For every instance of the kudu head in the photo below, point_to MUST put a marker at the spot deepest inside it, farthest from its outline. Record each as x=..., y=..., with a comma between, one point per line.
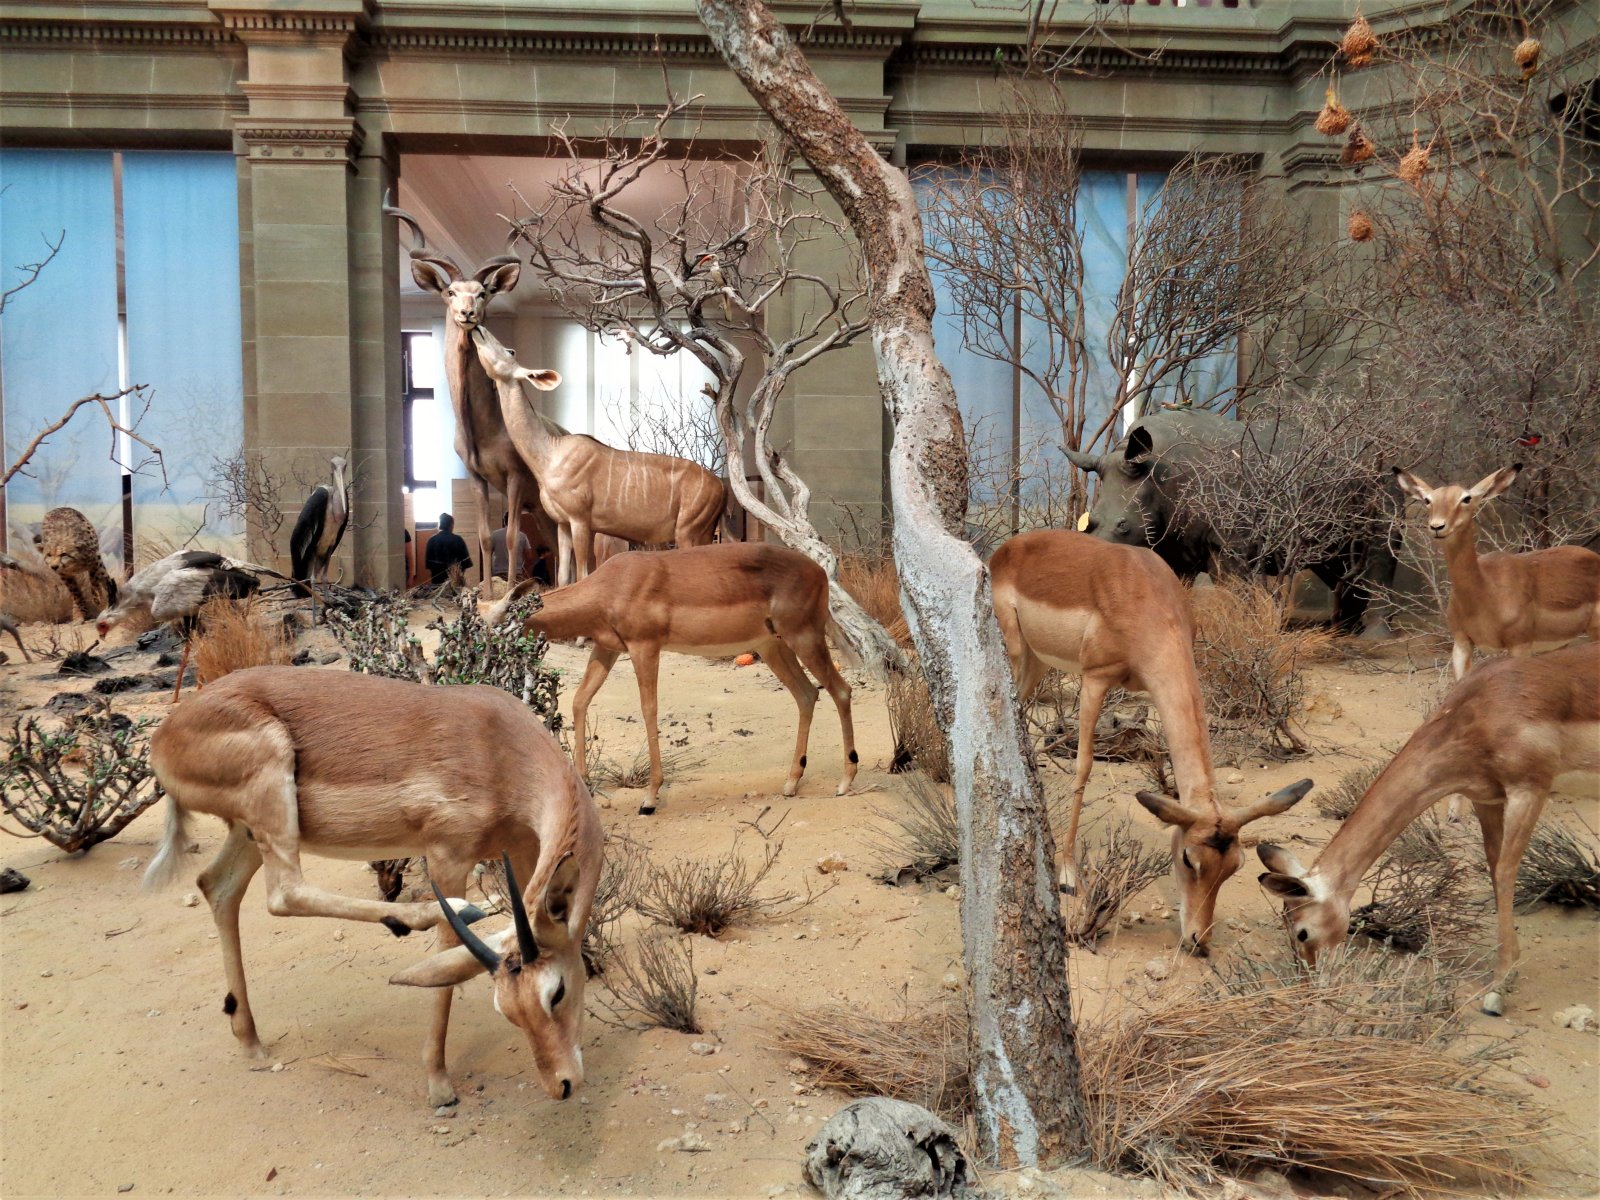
x=1206, y=852
x=466, y=300
x=1318, y=921
x=1451, y=507
x=538, y=976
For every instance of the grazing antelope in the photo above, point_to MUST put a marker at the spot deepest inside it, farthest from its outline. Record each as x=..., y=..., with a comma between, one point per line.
x=1501, y=737
x=713, y=601
x=1117, y=616
x=1514, y=602
x=360, y=767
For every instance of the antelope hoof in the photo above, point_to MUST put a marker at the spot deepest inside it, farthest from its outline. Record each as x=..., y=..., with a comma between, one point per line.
x=442, y=1095
x=844, y=787
x=1493, y=1004
x=1067, y=875
x=646, y=809
x=396, y=926
x=791, y=787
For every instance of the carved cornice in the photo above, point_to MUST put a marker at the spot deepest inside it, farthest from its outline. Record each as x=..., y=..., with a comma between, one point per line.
x=301, y=143
x=445, y=40
x=101, y=34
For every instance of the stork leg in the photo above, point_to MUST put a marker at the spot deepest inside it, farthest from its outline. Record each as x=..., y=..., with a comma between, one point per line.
x=183, y=665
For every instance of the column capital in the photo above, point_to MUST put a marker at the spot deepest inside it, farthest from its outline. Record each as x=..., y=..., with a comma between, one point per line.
x=294, y=22
x=299, y=142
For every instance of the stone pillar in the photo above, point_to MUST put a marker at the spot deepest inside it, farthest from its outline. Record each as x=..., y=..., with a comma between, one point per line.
x=322, y=354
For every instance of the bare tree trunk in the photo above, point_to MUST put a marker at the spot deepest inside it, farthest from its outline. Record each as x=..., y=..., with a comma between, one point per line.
x=1024, y=1043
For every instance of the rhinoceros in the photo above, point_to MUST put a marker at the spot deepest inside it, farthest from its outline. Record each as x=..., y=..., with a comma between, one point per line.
x=1148, y=478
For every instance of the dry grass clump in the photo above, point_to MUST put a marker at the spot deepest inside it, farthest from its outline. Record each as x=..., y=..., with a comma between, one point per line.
x=34, y=596
x=232, y=636
x=654, y=982
x=1558, y=869
x=624, y=874
x=875, y=584
x=1250, y=665
x=1418, y=902
x=1193, y=1085
x=607, y=774
x=1339, y=801
x=921, y=837
x=1110, y=873
x=708, y=896
x=919, y=1055
x=919, y=743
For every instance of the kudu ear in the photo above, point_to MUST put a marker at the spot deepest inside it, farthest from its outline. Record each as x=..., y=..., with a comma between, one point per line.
x=500, y=274
x=1411, y=485
x=1166, y=809
x=1082, y=460
x=555, y=906
x=430, y=276
x=1280, y=801
x=1491, y=486
x=1279, y=861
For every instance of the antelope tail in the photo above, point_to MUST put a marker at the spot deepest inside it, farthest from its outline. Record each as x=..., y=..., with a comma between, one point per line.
x=168, y=862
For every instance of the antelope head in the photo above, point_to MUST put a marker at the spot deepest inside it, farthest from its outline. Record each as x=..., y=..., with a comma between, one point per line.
x=1317, y=920
x=1451, y=507
x=466, y=300
x=1206, y=852
x=538, y=981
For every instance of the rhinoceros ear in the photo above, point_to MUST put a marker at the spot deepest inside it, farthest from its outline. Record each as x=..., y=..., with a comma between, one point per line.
x=1138, y=455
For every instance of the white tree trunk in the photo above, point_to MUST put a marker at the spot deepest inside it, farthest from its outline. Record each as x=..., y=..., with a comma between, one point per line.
x=1024, y=1049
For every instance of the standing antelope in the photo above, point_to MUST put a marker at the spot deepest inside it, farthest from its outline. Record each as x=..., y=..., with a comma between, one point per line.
x=482, y=443
x=1501, y=737
x=1118, y=616
x=712, y=601
x=588, y=487
x=1514, y=602
x=360, y=767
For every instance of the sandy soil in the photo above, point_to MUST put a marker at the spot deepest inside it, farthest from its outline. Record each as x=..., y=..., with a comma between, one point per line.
x=119, y=1071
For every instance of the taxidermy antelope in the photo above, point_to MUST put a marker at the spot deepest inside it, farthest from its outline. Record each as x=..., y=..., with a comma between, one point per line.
x=482, y=443
x=361, y=767
x=588, y=487
x=1117, y=616
x=712, y=601
x=1514, y=602
x=1501, y=737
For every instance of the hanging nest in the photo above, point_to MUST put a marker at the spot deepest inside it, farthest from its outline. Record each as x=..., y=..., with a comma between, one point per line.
x=1334, y=118
x=1359, y=226
x=1415, y=163
x=1358, y=148
x=1359, y=43
x=1526, y=55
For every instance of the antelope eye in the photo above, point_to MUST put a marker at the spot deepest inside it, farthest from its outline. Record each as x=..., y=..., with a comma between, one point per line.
x=1466, y=499
x=1302, y=935
x=1186, y=861
x=561, y=991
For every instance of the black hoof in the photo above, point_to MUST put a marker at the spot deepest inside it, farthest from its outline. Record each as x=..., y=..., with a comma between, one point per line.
x=395, y=926
x=646, y=809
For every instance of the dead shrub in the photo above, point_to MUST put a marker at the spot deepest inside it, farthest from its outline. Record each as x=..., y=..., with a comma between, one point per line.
x=1111, y=871
x=1250, y=665
x=624, y=874
x=1419, y=902
x=654, y=982
x=34, y=596
x=919, y=742
x=875, y=585
x=1558, y=869
x=233, y=636
x=78, y=784
x=919, y=1055
x=921, y=837
x=710, y=895
x=1339, y=801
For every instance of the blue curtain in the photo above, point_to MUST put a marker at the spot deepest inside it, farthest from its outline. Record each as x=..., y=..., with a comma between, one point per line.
x=58, y=337
x=181, y=232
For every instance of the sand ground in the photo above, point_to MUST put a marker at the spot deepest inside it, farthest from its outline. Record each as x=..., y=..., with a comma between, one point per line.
x=119, y=1072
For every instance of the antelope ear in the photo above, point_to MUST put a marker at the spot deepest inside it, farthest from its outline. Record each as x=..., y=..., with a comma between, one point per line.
x=1286, y=886
x=1491, y=486
x=445, y=969
x=543, y=380
x=1280, y=861
x=1280, y=801
x=1411, y=485
x=550, y=927
x=1166, y=809
x=430, y=278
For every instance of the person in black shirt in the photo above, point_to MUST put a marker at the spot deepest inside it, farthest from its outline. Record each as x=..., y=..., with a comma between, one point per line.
x=445, y=551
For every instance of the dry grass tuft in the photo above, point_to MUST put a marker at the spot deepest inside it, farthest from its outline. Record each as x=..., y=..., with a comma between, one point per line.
x=1250, y=664
x=1110, y=874
x=920, y=1055
x=34, y=596
x=233, y=636
x=708, y=896
x=923, y=836
x=654, y=982
x=624, y=874
x=919, y=743
x=606, y=774
x=1558, y=869
x=1339, y=801
x=875, y=584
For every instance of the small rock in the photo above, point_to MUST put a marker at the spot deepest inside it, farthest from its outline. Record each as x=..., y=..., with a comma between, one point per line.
x=191, y=899
x=1268, y=1178
x=131, y=863
x=1579, y=1017
x=12, y=880
x=441, y=1129
x=84, y=663
x=1133, y=918
x=688, y=1142
x=1538, y=1081
x=338, y=935
x=124, y=1187
x=1158, y=969
x=154, y=1012
x=796, y=1066
x=329, y=658
x=953, y=891
x=702, y=1048
x=302, y=658
x=830, y=863
x=444, y=1110
x=276, y=1067
x=951, y=982
x=46, y=974
x=1235, y=777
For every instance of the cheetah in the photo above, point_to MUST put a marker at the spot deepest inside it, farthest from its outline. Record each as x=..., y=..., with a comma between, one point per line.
x=71, y=549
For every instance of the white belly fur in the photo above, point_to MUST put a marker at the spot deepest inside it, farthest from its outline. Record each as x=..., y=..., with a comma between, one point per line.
x=726, y=650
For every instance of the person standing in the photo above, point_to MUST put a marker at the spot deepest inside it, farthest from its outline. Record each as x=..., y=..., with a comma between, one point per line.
x=446, y=556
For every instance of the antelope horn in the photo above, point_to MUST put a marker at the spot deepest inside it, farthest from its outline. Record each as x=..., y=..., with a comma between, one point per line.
x=480, y=949
x=519, y=914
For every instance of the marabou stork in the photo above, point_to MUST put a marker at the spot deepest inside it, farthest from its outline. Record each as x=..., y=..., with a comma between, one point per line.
x=173, y=589
x=318, y=531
